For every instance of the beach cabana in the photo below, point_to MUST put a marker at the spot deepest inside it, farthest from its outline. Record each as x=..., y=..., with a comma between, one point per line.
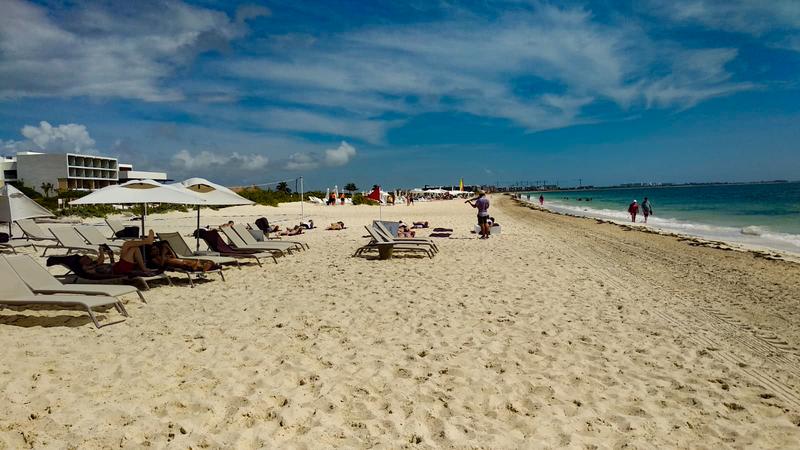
x=213, y=194
x=14, y=205
x=140, y=192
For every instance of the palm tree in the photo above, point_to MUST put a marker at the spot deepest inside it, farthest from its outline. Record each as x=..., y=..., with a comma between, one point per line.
x=46, y=188
x=350, y=187
x=283, y=187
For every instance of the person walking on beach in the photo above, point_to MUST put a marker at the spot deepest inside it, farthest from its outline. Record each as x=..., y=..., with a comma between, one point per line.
x=482, y=204
x=541, y=200
x=647, y=209
x=633, y=209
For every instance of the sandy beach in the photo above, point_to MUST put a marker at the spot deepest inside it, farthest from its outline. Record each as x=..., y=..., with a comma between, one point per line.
x=560, y=332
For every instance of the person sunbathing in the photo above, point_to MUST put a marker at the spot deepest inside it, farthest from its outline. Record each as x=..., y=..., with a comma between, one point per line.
x=420, y=224
x=295, y=230
x=130, y=255
x=227, y=224
x=404, y=231
x=160, y=254
x=336, y=226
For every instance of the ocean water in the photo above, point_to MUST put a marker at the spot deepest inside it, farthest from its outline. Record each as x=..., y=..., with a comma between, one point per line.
x=759, y=215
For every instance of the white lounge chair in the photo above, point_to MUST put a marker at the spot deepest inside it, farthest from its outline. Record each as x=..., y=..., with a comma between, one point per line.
x=95, y=238
x=181, y=248
x=379, y=242
x=276, y=248
x=41, y=281
x=14, y=245
x=14, y=292
x=70, y=240
x=384, y=231
x=33, y=232
x=249, y=240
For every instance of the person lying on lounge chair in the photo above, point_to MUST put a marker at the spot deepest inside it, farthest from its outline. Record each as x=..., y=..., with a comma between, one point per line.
x=308, y=225
x=336, y=226
x=160, y=254
x=98, y=268
x=295, y=230
x=263, y=225
x=130, y=255
x=404, y=231
x=226, y=224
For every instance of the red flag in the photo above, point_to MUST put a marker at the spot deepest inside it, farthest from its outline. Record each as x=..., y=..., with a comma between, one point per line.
x=375, y=194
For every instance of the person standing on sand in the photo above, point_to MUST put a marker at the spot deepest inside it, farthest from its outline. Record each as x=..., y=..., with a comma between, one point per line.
x=541, y=200
x=482, y=204
x=647, y=209
x=633, y=209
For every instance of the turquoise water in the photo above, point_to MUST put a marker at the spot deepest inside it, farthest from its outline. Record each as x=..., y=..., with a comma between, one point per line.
x=765, y=215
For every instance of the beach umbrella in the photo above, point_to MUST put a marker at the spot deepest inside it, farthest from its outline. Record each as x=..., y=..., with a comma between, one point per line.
x=213, y=194
x=140, y=192
x=14, y=205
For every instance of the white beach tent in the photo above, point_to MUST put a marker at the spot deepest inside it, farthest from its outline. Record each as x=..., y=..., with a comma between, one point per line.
x=14, y=205
x=213, y=194
x=140, y=192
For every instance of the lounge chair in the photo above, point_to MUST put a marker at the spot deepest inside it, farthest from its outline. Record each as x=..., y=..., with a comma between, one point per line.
x=191, y=275
x=33, y=232
x=14, y=245
x=384, y=231
x=379, y=242
x=14, y=292
x=95, y=238
x=41, y=281
x=70, y=240
x=76, y=273
x=217, y=244
x=181, y=248
x=276, y=248
x=257, y=228
x=118, y=227
x=250, y=241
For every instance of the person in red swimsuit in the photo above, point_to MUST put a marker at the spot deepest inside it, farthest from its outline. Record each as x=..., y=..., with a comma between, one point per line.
x=130, y=255
x=633, y=209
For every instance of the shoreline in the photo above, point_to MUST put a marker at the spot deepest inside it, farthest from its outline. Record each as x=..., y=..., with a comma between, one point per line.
x=722, y=244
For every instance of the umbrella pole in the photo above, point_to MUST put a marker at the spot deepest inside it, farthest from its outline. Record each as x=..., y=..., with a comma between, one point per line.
x=10, y=235
x=196, y=233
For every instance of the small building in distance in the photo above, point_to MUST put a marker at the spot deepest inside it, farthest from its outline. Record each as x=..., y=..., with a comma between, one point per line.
x=69, y=171
x=126, y=173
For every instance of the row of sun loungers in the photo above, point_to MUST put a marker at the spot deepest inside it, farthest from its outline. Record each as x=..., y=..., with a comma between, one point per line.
x=25, y=282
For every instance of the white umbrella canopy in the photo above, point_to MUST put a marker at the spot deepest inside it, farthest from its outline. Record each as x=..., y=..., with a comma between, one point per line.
x=214, y=195
x=140, y=192
x=14, y=205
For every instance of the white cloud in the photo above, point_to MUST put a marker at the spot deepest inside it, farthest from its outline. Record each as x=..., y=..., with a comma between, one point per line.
x=744, y=16
x=302, y=161
x=332, y=157
x=341, y=155
x=184, y=160
x=312, y=122
x=47, y=138
x=123, y=50
x=537, y=69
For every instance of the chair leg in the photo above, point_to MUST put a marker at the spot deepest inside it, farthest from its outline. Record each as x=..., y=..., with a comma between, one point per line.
x=222, y=274
x=141, y=296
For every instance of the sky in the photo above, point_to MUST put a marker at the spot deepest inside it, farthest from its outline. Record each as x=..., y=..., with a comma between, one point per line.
x=409, y=93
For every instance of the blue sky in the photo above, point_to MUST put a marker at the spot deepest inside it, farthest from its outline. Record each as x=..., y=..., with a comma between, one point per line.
x=410, y=93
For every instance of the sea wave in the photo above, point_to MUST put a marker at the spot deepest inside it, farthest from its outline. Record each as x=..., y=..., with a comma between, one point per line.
x=751, y=236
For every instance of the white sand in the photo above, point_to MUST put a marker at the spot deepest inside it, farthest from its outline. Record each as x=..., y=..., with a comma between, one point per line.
x=558, y=333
